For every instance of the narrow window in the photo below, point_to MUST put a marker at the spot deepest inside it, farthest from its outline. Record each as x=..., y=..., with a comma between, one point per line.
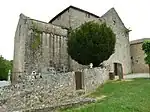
x=114, y=22
x=87, y=15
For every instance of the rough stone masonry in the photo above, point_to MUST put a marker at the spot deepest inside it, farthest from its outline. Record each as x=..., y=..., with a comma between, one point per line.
x=49, y=90
x=40, y=45
x=73, y=17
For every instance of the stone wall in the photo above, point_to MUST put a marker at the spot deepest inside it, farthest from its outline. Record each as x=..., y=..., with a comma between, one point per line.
x=42, y=90
x=50, y=89
x=19, y=46
x=94, y=77
x=137, y=56
x=122, y=49
x=72, y=18
x=39, y=45
x=77, y=18
x=52, y=49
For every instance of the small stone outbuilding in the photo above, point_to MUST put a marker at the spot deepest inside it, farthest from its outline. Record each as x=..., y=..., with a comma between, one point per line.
x=137, y=56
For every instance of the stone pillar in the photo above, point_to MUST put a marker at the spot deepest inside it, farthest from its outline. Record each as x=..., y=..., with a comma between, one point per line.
x=40, y=57
x=54, y=50
x=50, y=49
x=60, y=39
x=47, y=40
x=47, y=49
x=44, y=49
x=62, y=51
x=65, y=52
x=57, y=51
x=43, y=39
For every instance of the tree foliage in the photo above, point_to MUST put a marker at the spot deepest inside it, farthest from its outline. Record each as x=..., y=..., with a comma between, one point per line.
x=5, y=66
x=146, y=48
x=91, y=43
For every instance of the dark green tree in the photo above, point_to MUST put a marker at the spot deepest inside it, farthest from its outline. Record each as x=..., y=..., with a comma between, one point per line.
x=146, y=48
x=91, y=43
x=5, y=66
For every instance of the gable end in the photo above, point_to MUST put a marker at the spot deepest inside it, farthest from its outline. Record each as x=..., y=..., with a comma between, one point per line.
x=72, y=8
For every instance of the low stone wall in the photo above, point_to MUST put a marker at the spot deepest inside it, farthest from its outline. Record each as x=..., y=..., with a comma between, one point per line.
x=64, y=105
x=94, y=77
x=48, y=89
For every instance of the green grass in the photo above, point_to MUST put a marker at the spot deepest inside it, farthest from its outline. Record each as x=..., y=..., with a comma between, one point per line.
x=121, y=96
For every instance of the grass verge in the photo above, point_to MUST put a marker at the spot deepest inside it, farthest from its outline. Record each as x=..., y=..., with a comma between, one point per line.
x=121, y=96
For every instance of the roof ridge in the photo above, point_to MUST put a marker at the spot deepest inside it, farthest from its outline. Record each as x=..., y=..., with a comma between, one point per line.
x=71, y=6
x=138, y=40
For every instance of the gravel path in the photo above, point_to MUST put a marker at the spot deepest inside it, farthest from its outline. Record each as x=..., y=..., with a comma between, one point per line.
x=137, y=75
x=4, y=83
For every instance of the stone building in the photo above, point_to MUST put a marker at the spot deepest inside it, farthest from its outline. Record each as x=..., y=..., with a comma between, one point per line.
x=42, y=47
x=39, y=46
x=137, y=56
x=73, y=17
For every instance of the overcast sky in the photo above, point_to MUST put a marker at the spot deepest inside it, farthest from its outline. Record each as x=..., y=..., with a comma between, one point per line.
x=134, y=13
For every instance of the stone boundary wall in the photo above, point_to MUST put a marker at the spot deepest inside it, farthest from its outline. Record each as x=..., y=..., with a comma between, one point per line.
x=94, y=77
x=48, y=89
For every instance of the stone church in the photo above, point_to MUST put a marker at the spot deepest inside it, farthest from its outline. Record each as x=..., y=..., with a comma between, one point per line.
x=41, y=46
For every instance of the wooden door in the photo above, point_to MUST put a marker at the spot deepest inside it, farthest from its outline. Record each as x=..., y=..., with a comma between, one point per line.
x=118, y=70
x=115, y=69
x=78, y=79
